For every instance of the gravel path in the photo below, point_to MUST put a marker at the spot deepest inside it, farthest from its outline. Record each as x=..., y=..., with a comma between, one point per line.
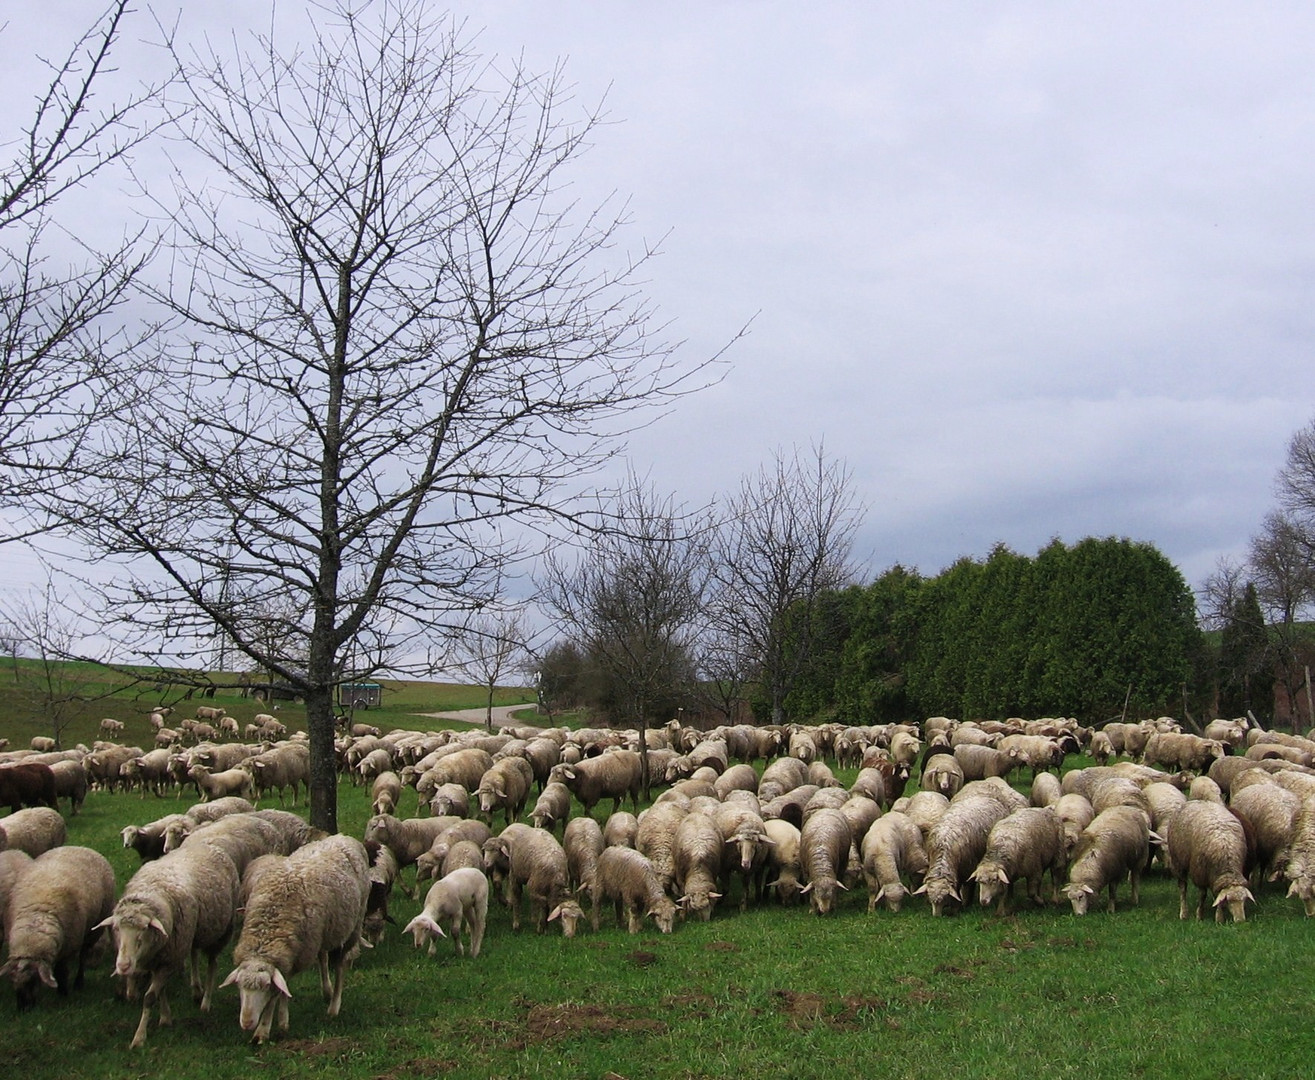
x=502, y=714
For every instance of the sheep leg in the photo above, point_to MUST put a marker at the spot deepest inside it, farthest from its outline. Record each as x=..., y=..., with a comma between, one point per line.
x=339, y=972
x=326, y=987
x=212, y=969
x=1200, y=904
x=476, y=924
x=1135, y=877
x=1114, y=888
x=1182, y=898
x=456, y=934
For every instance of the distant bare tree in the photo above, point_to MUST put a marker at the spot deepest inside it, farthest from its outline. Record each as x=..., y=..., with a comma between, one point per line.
x=787, y=536
x=488, y=649
x=395, y=335
x=61, y=362
x=633, y=600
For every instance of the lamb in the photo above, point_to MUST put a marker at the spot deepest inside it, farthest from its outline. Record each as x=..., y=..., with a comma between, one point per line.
x=35, y=830
x=956, y=844
x=1025, y=844
x=1207, y=844
x=1115, y=846
x=583, y=842
x=386, y=793
x=612, y=775
x=373, y=765
x=627, y=878
x=892, y=851
x=217, y=785
x=55, y=907
x=459, y=899
x=309, y=909
x=553, y=807
x=824, y=844
x=696, y=859
x=171, y=910
x=506, y=787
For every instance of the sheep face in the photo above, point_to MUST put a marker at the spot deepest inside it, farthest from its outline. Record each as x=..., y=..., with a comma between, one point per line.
x=991, y=886
x=27, y=976
x=137, y=939
x=822, y=895
x=1233, y=900
x=263, y=992
x=423, y=929
x=1079, y=896
x=893, y=894
x=570, y=913
x=938, y=891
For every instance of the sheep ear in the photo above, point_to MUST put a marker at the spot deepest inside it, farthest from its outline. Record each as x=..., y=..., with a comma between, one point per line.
x=7, y=969
x=106, y=924
x=842, y=885
x=919, y=890
x=718, y=896
x=1088, y=890
x=880, y=893
x=281, y=984
x=156, y=924
x=955, y=893
x=232, y=978
x=807, y=888
x=1003, y=877
x=556, y=913
x=47, y=976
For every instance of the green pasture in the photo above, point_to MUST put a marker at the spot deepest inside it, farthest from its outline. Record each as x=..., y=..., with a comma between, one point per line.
x=771, y=993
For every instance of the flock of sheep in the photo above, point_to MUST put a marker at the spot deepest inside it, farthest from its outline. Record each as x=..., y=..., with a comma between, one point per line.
x=1224, y=812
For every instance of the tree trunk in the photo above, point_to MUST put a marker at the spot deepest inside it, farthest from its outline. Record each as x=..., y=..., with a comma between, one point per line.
x=323, y=761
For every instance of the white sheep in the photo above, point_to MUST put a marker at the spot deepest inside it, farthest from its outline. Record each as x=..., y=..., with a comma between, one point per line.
x=171, y=910
x=34, y=830
x=12, y=864
x=553, y=807
x=1272, y=812
x=535, y=862
x=214, y=785
x=696, y=858
x=1207, y=845
x=892, y=851
x=458, y=899
x=956, y=844
x=386, y=793
x=55, y=907
x=583, y=842
x=824, y=846
x=1115, y=846
x=627, y=878
x=1025, y=844
x=310, y=909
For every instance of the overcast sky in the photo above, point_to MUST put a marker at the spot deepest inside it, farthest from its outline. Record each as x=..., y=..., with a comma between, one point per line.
x=1031, y=270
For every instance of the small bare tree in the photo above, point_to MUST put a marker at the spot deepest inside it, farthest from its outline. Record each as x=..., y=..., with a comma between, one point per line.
x=787, y=536
x=488, y=649
x=633, y=600
x=395, y=338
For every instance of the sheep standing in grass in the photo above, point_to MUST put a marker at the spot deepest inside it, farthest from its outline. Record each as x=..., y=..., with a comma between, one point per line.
x=1207, y=845
x=956, y=844
x=824, y=844
x=536, y=863
x=614, y=775
x=696, y=858
x=172, y=910
x=892, y=851
x=55, y=908
x=12, y=864
x=783, y=860
x=308, y=909
x=506, y=787
x=386, y=793
x=1114, y=847
x=1272, y=813
x=627, y=878
x=35, y=830
x=553, y=807
x=459, y=899
x=583, y=842
x=1025, y=844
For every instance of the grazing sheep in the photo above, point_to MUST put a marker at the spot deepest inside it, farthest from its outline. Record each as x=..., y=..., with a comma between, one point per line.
x=449, y=800
x=981, y=762
x=535, y=861
x=553, y=806
x=824, y=845
x=1075, y=814
x=696, y=861
x=1271, y=811
x=459, y=899
x=1102, y=747
x=1206, y=790
x=942, y=772
x=171, y=910
x=431, y=863
x=1207, y=844
x=656, y=838
x=583, y=841
x=1046, y=790
x=892, y=852
x=739, y=777
x=43, y=744
x=308, y=909
x=464, y=853
x=409, y=838
x=286, y=766
x=148, y=840
x=1115, y=846
x=627, y=878
x=621, y=829
x=35, y=830
x=782, y=775
x=12, y=863
x=924, y=809
x=70, y=783
x=386, y=793
x=1025, y=844
x=956, y=844
x=1181, y=751
x=55, y=908
x=783, y=864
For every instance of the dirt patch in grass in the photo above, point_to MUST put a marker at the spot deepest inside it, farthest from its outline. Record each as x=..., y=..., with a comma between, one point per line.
x=804, y=1011
x=318, y=1048
x=421, y=1067
x=722, y=946
x=642, y=959
x=560, y=1021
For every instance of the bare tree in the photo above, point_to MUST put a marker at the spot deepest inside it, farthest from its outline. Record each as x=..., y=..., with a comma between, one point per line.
x=788, y=535
x=633, y=600
x=488, y=649
x=58, y=352
x=395, y=339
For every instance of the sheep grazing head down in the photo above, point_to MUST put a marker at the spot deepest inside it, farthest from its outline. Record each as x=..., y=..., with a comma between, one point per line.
x=937, y=892
x=263, y=992
x=1304, y=890
x=1079, y=896
x=570, y=913
x=1234, y=900
x=27, y=975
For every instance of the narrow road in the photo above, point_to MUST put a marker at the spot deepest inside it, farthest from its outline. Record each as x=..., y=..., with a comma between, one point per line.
x=502, y=714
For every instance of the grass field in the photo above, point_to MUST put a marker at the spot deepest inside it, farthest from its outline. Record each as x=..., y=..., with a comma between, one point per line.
x=774, y=992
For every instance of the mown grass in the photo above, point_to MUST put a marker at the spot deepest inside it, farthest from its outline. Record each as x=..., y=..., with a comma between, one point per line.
x=773, y=992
